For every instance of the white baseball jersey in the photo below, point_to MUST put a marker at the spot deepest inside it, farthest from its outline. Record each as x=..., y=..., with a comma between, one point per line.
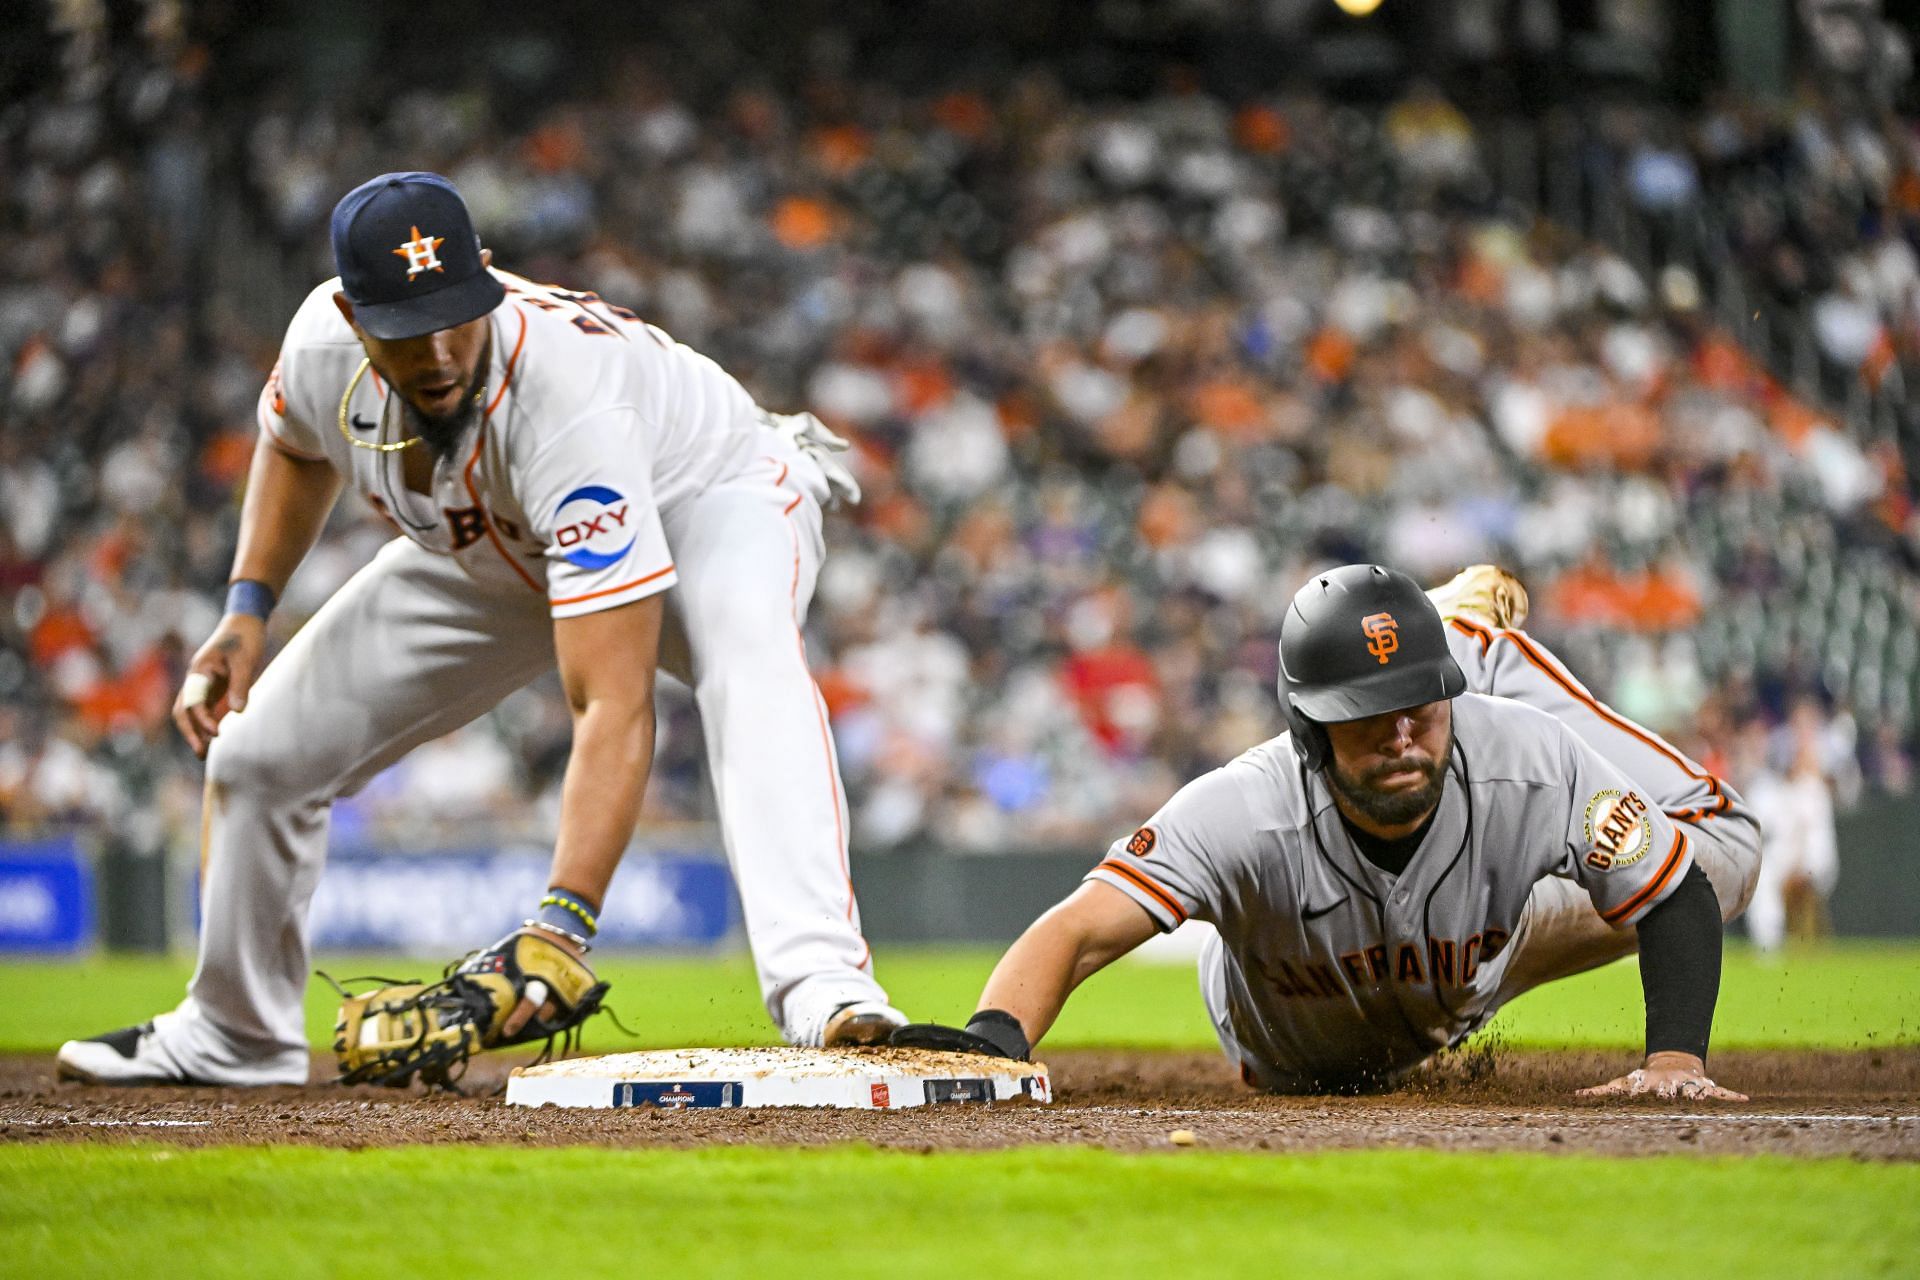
x=1336, y=968
x=595, y=424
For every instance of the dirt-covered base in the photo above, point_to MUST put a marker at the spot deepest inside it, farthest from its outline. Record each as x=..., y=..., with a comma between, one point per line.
x=1861, y=1103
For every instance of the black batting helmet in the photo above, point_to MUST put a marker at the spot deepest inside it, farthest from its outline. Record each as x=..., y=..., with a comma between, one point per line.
x=1358, y=641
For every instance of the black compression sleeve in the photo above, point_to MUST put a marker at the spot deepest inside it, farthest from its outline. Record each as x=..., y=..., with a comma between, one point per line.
x=1680, y=966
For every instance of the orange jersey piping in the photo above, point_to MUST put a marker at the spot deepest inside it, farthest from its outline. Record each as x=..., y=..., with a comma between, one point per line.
x=1651, y=890
x=1141, y=881
x=608, y=591
x=479, y=440
x=826, y=743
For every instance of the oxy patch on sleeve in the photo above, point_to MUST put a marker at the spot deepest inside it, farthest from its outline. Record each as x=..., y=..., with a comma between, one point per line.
x=591, y=527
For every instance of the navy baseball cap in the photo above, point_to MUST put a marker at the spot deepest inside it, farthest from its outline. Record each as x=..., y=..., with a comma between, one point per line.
x=409, y=258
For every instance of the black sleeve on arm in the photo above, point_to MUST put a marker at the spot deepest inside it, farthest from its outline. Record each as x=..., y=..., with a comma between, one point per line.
x=1680, y=966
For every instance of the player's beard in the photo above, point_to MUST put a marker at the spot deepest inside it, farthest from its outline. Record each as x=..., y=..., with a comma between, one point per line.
x=443, y=432
x=1392, y=808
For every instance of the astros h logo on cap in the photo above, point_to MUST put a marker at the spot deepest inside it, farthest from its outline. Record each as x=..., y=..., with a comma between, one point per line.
x=419, y=253
x=409, y=258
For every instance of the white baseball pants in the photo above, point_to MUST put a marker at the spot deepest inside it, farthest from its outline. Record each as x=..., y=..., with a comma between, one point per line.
x=412, y=647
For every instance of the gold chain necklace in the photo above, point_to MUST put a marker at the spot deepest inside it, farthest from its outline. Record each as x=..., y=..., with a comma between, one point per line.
x=379, y=446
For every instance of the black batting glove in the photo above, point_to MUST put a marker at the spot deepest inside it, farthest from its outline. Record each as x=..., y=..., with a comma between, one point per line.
x=991, y=1032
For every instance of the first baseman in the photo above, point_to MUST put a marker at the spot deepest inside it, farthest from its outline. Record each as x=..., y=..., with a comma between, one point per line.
x=571, y=487
x=1450, y=820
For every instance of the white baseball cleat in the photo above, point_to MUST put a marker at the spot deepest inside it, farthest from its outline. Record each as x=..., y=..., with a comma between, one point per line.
x=129, y=1056
x=863, y=1022
x=1483, y=593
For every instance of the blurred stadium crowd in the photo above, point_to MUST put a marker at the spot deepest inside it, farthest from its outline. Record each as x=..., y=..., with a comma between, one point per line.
x=1122, y=373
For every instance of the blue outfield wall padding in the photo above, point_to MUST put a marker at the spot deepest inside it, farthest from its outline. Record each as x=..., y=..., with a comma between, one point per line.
x=46, y=896
x=456, y=899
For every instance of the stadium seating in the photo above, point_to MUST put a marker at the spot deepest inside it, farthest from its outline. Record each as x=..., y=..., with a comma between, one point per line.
x=1123, y=373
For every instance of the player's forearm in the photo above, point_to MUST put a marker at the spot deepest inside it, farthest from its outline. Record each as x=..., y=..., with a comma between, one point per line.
x=1038, y=972
x=286, y=506
x=601, y=795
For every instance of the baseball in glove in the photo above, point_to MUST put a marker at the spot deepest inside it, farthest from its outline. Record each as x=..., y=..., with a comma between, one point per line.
x=388, y=1035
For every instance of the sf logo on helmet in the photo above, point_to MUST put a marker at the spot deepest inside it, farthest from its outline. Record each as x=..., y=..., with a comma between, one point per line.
x=419, y=253
x=1383, y=635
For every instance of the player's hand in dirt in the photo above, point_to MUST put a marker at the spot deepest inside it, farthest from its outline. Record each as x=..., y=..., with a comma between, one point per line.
x=1666, y=1075
x=219, y=679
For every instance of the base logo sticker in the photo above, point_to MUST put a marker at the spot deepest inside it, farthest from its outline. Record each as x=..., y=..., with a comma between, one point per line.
x=944, y=1091
x=1619, y=832
x=675, y=1096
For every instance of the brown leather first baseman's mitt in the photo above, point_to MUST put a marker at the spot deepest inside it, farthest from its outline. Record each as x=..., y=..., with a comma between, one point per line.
x=389, y=1035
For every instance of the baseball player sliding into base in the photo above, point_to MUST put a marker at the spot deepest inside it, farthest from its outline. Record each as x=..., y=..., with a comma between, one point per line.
x=572, y=487
x=1410, y=855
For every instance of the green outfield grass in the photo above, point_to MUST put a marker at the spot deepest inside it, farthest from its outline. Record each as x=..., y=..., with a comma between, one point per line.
x=850, y=1211
x=293, y=1212
x=1847, y=996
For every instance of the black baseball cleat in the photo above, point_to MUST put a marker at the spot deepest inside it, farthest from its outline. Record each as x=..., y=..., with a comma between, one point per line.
x=129, y=1056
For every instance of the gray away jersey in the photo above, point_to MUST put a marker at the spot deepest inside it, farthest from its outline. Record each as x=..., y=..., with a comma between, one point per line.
x=1511, y=664
x=1339, y=969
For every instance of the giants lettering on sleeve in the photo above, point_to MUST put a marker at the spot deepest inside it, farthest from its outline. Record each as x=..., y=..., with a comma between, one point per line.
x=1618, y=830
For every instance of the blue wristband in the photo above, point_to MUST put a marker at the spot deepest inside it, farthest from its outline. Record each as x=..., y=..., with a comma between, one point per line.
x=568, y=912
x=251, y=597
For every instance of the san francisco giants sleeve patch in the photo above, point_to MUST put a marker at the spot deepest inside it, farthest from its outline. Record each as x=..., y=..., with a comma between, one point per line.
x=1142, y=842
x=1619, y=833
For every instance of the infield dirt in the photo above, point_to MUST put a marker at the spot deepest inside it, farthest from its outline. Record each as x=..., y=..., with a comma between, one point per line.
x=1862, y=1103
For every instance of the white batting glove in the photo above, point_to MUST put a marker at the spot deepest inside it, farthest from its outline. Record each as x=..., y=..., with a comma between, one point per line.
x=821, y=443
